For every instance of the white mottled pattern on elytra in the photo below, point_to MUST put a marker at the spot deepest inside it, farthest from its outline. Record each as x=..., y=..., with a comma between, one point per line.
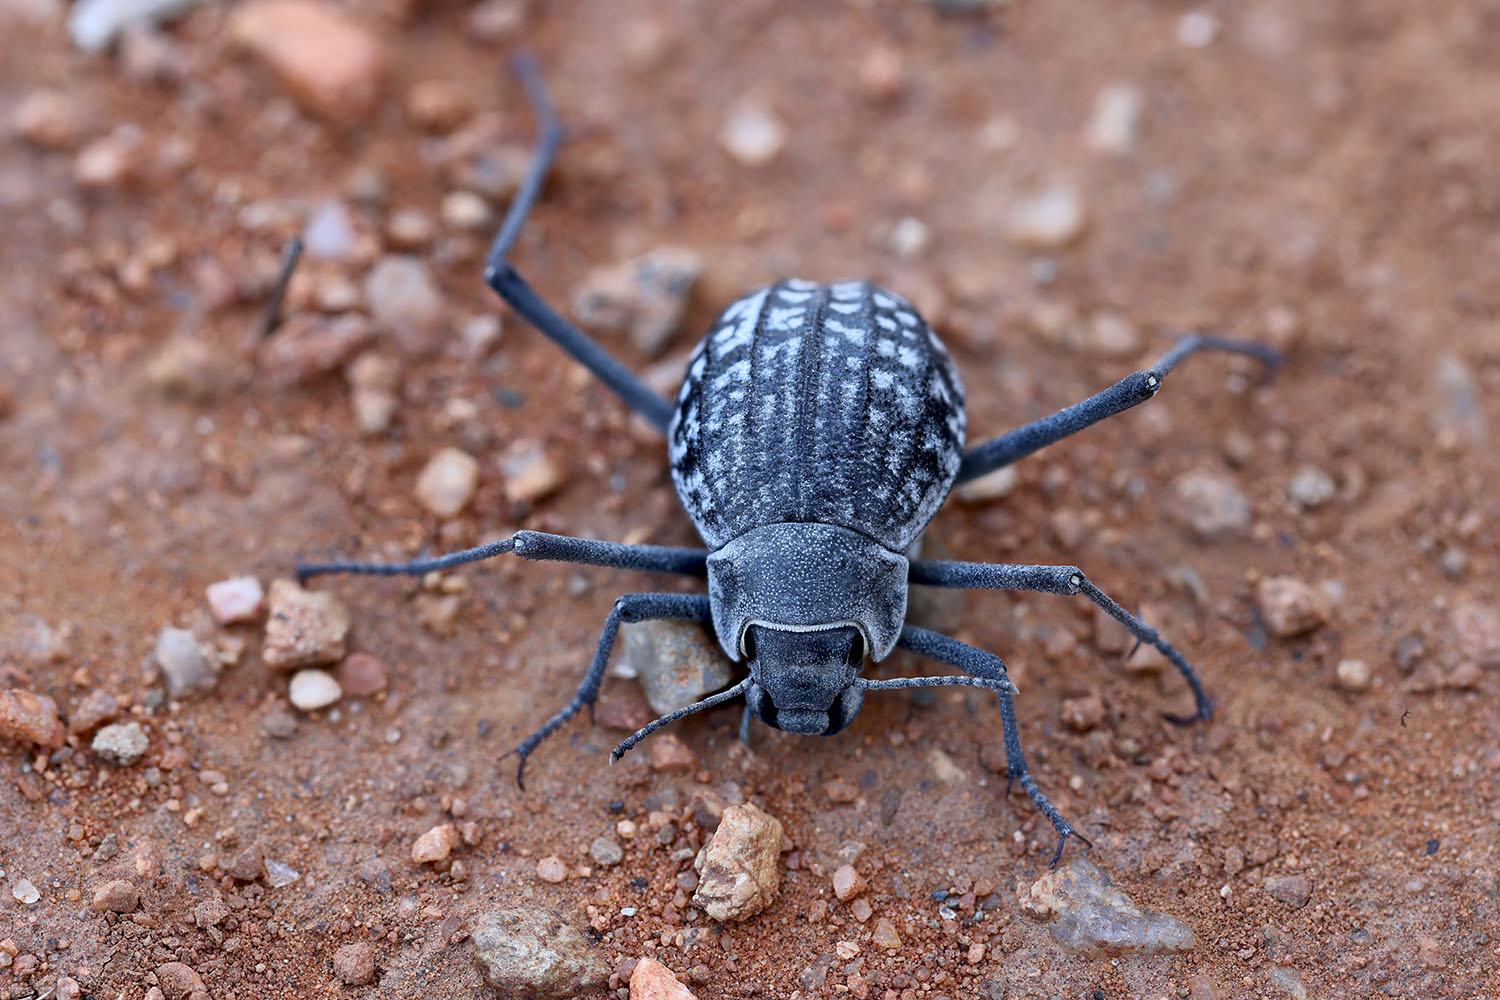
x=825, y=403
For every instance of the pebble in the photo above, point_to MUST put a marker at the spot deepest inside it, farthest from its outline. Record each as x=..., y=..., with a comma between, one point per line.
x=48, y=119
x=374, y=399
x=118, y=896
x=738, y=873
x=606, y=852
x=848, y=883
x=95, y=708
x=329, y=233
x=645, y=297
x=1050, y=220
x=1197, y=29
x=1352, y=675
x=354, y=964
x=653, y=981
x=989, y=487
x=1111, y=336
x=752, y=134
x=94, y=24
x=331, y=63
x=1289, y=606
x=677, y=663
x=447, y=483
x=1312, y=487
x=248, y=865
x=241, y=599
x=861, y=910
x=1086, y=913
x=669, y=755
x=279, y=724
x=552, y=869
x=1116, y=119
x=184, y=666
x=1288, y=980
x=531, y=473
x=24, y=891
x=496, y=20
x=1083, y=714
x=1210, y=504
x=1478, y=629
x=465, y=210
x=362, y=675
x=909, y=237
x=313, y=689
x=27, y=717
x=533, y=953
x=279, y=874
x=410, y=229
x=123, y=743
x=1293, y=890
x=68, y=988
x=439, y=105
x=405, y=302
x=178, y=981
x=303, y=627
x=103, y=164
x=885, y=936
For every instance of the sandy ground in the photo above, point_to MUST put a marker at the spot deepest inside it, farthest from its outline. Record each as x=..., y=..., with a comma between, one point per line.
x=1322, y=176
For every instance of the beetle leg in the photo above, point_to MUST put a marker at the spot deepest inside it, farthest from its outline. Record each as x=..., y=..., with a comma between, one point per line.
x=629, y=608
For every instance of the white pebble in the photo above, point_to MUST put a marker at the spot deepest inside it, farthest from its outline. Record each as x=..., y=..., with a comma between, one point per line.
x=329, y=233
x=123, y=743
x=909, y=237
x=1048, y=221
x=446, y=484
x=313, y=689
x=1197, y=28
x=1312, y=487
x=465, y=210
x=1116, y=119
x=1353, y=675
x=752, y=134
x=24, y=891
x=240, y=599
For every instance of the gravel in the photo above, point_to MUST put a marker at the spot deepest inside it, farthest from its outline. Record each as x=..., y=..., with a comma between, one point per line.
x=304, y=628
x=1086, y=913
x=1211, y=504
x=677, y=663
x=178, y=981
x=362, y=675
x=121, y=743
x=184, y=666
x=1115, y=122
x=241, y=599
x=27, y=717
x=1352, y=675
x=885, y=935
x=531, y=473
x=605, y=852
x=848, y=883
x=645, y=297
x=1289, y=606
x=447, y=483
x=1311, y=487
x=1477, y=627
x=552, y=869
x=92, y=710
x=248, y=865
x=313, y=689
x=1050, y=220
x=405, y=302
x=1084, y=713
x=1293, y=890
x=435, y=845
x=310, y=345
x=653, y=981
x=752, y=134
x=738, y=873
x=533, y=953
x=331, y=64
x=118, y=896
x=354, y=964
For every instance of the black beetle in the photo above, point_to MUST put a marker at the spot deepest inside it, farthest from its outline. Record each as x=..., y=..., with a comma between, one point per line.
x=817, y=431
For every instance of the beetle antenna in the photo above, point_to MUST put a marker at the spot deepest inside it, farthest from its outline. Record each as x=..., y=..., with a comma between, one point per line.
x=681, y=713
x=897, y=683
x=290, y=255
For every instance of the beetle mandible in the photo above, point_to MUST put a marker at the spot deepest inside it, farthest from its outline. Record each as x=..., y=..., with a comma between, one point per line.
x=817, y=431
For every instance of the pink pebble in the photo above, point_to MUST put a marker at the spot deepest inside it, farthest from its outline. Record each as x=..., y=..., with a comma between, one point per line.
x=239, y=600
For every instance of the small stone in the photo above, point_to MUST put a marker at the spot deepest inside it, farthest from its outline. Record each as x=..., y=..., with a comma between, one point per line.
x=1083, y=714
x=653, y=981
x=1114, y=124
x=881, y=73
x=848, y=883
x=331, y=63
x=1287, y=980
x=1312, y=487
x=1293, y=890
x=737, y=869
x=606, y=852
x=241, y=599
x=1088, y=914
x=329, y=232
x=677, y=663
x=178, y=981
x=669, y=755
x=1478, y=629
x=1110, y=335
x=96, y=707
x=861, y=910
x=248, y=865
x=374, y=410
x=1197, y=29
x=313, y=689
x=1211, y=505
x=439, y=105
x=24, y=891
x=885, y=935
x=405, y=302
x=94, y=24
x=533, y=953
x=447, y=483
x=435, y=845
x=362, y=675
x=1050, y=220
x=909, y=237
x=465, y=210
x=183, y=664
x=279, y=874
x=1289, y=606
x=303, y=627
x=1352, y=675
x=122, y=743
x=531, y=473
x=103, y=164
x=48, y=119
x=68, y=988
x=118, y=896
x=551, y=869
x=496, y=20
x=989, y=487
x=840, y=792
x=645, y=297
x=310, y=345
x=410, y=229
x=27, y=717
x=752, y=134
x=279, y=724
x=354, y=964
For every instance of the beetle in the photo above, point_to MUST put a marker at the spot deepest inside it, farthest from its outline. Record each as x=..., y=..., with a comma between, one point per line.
x=818, y=429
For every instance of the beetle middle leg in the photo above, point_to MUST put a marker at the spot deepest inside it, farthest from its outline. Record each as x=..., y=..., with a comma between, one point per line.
x=1066, y=580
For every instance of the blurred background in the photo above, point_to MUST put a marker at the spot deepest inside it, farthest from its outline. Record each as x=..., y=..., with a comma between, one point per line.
x=1060, y=187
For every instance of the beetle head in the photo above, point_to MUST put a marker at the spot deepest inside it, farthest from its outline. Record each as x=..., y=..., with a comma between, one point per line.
x=804, y=604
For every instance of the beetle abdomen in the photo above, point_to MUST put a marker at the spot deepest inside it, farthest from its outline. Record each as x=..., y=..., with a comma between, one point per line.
x=833, y=404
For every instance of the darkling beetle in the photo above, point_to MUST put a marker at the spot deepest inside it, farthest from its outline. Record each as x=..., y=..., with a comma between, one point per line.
x=817, y=431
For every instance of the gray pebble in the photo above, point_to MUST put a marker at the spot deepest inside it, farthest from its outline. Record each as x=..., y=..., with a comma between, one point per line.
x=677, y=662
x=1312, y=487
x=606, y=852
x=533, y=953
x=123, y=743
x=1212, y=505
x=404, y=301
x=183, y=665
x=645, y=297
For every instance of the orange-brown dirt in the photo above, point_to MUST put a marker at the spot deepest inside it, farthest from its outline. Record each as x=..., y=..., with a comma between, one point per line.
x=1322, y=175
